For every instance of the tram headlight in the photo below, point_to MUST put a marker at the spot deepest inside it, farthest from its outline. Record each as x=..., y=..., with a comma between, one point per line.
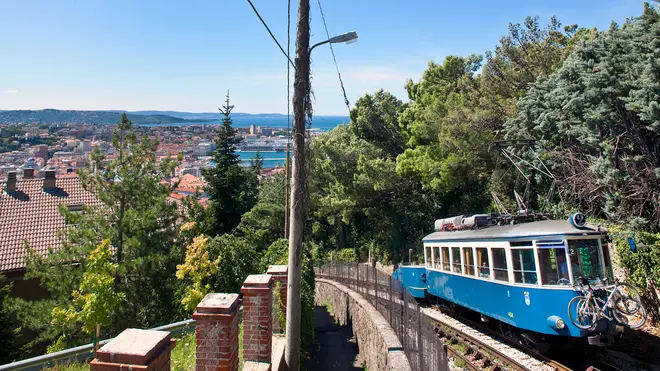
x=556, y=322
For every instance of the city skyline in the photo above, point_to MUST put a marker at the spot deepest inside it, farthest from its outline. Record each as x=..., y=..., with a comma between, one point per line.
x=170, y=56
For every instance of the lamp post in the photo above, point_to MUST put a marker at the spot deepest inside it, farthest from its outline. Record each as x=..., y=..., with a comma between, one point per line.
x=301, y=88
x=348, y=38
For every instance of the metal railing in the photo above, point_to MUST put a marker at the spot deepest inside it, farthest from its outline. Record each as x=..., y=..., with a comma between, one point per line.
x=83, y=352
x=425, y=351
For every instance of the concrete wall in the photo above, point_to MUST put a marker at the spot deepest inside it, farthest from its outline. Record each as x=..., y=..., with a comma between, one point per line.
x=378, y=344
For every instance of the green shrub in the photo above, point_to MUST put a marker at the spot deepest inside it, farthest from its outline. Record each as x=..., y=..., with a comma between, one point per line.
x=643, y=266
x=346, y=255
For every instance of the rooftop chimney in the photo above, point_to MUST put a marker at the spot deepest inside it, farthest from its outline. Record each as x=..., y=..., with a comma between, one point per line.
x=49, y=180
x=28, y=173
x=11, y=182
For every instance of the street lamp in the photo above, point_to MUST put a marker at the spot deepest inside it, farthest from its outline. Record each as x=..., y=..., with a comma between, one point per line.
x=348, y=38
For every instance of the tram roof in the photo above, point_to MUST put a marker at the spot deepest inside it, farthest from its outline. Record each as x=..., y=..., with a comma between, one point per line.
x=542, y=228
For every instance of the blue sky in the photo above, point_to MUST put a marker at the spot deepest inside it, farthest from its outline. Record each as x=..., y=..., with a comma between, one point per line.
x=185, y=55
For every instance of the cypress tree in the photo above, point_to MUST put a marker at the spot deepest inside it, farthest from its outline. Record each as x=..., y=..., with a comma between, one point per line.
x=232, y=189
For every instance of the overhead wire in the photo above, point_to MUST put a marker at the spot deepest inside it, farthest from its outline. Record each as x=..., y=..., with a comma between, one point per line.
x=332, y=50
x=271, y=33
x=287, y=171
x=288, y=73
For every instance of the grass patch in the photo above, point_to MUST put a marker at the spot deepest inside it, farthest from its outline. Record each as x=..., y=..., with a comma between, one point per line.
x=460, y=362
x=240, y=346
x=74, y=366
x=183, y=355
x=460, y=347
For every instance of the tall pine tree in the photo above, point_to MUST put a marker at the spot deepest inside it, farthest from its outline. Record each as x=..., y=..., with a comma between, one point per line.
x=232, y=189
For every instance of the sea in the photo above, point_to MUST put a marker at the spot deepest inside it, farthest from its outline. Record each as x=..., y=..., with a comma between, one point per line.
x=272, y=159
x=323, y=123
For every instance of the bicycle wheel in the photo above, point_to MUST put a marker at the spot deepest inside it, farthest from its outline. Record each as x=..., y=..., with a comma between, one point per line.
x=626, y=292
x=634, y=320
x=582, y=313
x=626, y=305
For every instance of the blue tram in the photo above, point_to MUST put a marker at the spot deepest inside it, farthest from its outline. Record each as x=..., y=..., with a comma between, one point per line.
x=521, y=275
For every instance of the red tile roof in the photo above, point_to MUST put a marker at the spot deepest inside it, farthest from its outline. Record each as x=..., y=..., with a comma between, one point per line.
x=177, y=196
x=30, y=214
x=190, y=182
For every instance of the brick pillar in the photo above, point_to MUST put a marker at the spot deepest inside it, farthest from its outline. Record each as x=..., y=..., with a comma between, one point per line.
x=217, y=332
x=135, y=349
x=280, y=274
x=257, y=312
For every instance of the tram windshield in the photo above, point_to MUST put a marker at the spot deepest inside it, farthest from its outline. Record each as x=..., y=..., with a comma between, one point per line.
x=554, y=270
x=585, y=258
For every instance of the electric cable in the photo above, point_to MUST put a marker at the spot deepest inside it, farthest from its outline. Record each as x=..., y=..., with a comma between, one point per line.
x=341, y=82
x=271, y=33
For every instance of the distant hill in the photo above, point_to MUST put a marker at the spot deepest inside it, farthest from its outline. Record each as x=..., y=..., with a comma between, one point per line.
x=206, y=115
x=49, y=116
x=184, y=115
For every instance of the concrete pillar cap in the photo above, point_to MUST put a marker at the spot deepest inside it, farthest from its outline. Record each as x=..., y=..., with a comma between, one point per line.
x=216, y=303
x=134, y=346
x=278, y=269
x=258, y=280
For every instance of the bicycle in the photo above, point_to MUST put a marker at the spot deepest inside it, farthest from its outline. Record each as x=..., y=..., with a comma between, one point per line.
x=622, y=304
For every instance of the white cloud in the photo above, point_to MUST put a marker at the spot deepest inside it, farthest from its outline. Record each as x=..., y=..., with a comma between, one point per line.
x=11, y=91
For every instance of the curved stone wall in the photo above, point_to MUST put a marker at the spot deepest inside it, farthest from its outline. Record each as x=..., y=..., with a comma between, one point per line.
x=379, y=346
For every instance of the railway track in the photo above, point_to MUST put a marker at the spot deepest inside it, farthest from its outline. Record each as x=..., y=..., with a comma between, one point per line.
x=482, y=348
x=476, y=355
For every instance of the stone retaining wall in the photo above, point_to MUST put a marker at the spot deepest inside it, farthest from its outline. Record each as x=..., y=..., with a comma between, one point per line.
x=379, y=346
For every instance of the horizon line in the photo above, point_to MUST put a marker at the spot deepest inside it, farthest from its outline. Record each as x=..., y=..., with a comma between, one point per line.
x=157, y=110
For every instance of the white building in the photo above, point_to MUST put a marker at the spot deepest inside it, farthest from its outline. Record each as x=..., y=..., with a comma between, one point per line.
x=204, y=148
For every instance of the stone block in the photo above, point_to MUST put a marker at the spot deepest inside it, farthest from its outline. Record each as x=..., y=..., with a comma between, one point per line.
x=135, y=349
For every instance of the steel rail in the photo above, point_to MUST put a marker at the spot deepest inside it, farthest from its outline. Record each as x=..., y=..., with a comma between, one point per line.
x=502, y=339
x=494, y=356
x=83, y=352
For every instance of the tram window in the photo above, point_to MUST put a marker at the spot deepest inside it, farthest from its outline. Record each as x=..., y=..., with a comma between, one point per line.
x=456, y=255
x=436, y=257
x=445, y=259
x=482, y=262
x=468, y=261
x=427, y=255
x=521, y=243
x=554, y=270
x=499, y=264
x=585, y=258
x=524, y=266
x=606, y=255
